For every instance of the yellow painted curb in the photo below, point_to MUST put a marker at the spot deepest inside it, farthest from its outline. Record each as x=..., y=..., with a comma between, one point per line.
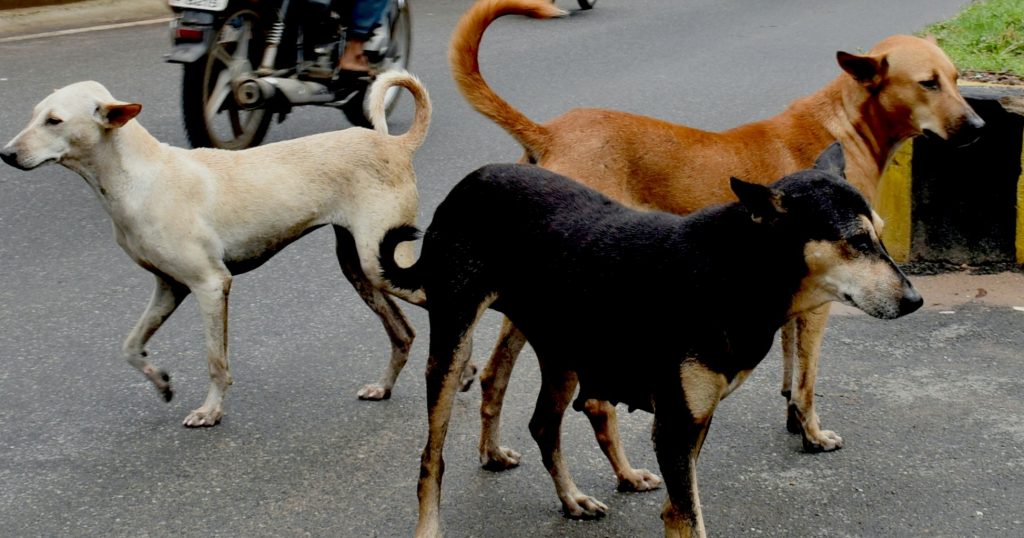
x=893, y=203
x=1020, y=211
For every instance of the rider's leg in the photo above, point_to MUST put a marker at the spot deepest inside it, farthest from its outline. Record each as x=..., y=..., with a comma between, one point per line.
x=365, y=16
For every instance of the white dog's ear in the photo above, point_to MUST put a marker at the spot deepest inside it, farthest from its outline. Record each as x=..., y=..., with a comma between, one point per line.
x=113, y=115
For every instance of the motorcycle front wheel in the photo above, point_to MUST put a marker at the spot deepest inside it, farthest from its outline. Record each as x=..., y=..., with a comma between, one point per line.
x=396, y=57
x=212, y=117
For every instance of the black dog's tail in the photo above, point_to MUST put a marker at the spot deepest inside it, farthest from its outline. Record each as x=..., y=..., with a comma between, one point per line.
x=407, y=278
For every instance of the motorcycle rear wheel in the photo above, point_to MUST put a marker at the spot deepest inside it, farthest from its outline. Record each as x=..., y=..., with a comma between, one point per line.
x=212, y=117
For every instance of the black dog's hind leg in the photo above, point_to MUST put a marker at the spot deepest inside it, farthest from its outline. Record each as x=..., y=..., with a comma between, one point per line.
x=451, y=344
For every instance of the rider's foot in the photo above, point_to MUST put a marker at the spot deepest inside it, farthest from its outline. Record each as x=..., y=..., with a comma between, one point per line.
x=347, y=83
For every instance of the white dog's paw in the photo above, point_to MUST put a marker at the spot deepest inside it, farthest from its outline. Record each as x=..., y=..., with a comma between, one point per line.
x=639, y=480
x=203, y=417
x=374, y=391
x=500, y=459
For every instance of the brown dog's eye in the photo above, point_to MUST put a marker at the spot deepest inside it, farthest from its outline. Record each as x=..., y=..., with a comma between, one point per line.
x=54, y=121
x=930, y=85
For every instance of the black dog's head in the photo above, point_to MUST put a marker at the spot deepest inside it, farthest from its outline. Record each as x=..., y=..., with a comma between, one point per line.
x=840, y=235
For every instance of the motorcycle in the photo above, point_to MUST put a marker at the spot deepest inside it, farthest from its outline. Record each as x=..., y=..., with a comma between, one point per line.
x=246, y=60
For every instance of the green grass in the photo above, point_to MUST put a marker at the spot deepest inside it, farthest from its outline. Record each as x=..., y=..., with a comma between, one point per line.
x=988, y=35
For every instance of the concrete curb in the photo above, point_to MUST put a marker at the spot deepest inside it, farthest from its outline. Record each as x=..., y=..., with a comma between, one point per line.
x=960, y=206
x=40, y=19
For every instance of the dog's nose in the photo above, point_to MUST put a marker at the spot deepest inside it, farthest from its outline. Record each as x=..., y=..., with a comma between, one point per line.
x=974, y=121
x=910, y=301
x=9, y=156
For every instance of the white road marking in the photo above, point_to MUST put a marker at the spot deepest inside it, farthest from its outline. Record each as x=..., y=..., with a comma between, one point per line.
x=84, y=30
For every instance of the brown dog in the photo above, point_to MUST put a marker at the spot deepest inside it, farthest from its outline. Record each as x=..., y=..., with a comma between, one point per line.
x=904, y=87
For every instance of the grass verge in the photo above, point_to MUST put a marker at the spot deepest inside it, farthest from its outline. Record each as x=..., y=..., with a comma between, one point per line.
x=987, y=36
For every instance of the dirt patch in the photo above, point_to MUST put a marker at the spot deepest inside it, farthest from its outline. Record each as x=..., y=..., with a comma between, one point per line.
x=988, y=77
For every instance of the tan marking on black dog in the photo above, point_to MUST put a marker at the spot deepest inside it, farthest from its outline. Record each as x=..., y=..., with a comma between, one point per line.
x=702, y=388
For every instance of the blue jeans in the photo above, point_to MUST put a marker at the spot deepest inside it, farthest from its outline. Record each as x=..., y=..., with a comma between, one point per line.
x=361, y=20
x=365, y=16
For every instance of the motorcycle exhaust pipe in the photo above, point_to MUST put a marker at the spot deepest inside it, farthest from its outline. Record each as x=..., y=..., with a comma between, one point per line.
x=257, y=92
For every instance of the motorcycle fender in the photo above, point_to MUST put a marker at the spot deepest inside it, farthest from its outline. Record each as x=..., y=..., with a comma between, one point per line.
x=186, y=51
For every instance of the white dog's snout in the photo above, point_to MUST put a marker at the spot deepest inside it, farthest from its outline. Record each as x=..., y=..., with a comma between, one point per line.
x=10, y=156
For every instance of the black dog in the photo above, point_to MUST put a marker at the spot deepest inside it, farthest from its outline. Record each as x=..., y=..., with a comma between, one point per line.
x=663, y=313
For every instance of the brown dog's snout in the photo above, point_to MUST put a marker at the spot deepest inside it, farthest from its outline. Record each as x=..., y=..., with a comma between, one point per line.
x=968, y=130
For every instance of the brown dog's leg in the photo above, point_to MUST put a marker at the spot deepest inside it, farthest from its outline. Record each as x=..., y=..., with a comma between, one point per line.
x=556, y=391
x=810, y=330
x=605, y=422
x=167, y=296
x=493, y=383
x=395, y=323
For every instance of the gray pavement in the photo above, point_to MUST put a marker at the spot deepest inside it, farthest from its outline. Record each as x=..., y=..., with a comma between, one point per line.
x=931, y=406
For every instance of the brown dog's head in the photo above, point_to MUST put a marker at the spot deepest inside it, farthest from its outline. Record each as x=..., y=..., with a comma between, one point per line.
x=911, y=85
x=67, y=124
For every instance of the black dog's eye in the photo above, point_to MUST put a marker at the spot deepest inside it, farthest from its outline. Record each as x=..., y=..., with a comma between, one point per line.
x=53, y=121
x=861, y=243
x=931, y=85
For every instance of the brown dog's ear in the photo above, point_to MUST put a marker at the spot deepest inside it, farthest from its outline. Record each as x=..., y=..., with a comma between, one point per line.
x=931, y=39
x=868, y=70
x=763, y=202
x=113, y=115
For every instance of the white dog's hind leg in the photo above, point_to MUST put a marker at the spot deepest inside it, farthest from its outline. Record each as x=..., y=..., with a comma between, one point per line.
x=395, y=323
x=212, y=297
x=166, y=297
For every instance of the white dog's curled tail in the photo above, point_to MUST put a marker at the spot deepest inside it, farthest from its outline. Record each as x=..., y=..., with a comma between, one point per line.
x=378, y=115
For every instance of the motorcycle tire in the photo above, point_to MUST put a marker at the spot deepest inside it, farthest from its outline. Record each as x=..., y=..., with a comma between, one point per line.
x=212, y=118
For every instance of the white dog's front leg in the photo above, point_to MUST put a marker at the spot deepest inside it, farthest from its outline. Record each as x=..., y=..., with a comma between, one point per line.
x=166, y=297
x=212, y=297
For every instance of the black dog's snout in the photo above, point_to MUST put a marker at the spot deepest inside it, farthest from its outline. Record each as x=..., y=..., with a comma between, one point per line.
x=910, y=301
x=10, y=157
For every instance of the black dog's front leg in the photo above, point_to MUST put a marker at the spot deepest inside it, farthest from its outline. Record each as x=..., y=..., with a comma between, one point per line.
x=682, y=417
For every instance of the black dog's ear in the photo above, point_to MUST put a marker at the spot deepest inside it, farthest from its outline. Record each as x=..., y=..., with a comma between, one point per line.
x=832, y=160
x=763, y=202
x=868, y=70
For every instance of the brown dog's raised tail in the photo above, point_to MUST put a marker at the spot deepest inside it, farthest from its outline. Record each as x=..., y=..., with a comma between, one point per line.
x=462, y=56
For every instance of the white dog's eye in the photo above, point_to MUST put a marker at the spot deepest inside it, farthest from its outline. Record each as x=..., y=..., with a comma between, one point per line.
x=53, y=121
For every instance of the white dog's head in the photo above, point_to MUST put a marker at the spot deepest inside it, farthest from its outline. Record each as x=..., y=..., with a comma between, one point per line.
x=67, y=125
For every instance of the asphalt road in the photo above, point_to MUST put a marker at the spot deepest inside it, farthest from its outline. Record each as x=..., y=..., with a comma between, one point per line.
x=930, y=406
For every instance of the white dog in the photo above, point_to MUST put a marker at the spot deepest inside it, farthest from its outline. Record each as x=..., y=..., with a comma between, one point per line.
x=194, y=218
